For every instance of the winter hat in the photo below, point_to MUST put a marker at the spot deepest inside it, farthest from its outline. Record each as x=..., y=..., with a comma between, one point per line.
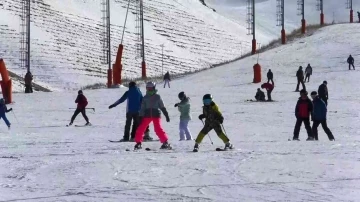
x=325, y=82
x=314, y=93
x=150, y=85
x=80, y=92
x=181, y=95
x=303, y=91
x=2, y=101
x=132, y=84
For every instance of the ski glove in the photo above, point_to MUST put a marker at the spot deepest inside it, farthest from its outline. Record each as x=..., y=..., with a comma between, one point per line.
x=111, y=106
x=10, y=109
x=176, y=105
x=201, y=116
x=167, y=119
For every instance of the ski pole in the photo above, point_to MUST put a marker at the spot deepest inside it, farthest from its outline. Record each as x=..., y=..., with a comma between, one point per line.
x=223, y=129
x=15, y=116
x=207, y=134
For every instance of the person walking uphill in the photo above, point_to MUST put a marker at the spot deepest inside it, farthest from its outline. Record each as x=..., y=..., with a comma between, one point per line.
x=28, y=82
x=213, y=120
x=134, y=98
x=151, y=106
x=167, y=79
x=308, y=72
x=319, y=117
x=185, y=117
x=81, y=105
x=303, y=111
x=270, y=77
x=323, y=92
x=3, y=111
x=300, y=79
x=351, y=61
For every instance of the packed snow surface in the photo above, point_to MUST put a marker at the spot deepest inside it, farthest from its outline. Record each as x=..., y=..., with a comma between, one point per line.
x=42, y=160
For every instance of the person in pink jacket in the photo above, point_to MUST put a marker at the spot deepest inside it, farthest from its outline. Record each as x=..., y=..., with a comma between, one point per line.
x=151, y=107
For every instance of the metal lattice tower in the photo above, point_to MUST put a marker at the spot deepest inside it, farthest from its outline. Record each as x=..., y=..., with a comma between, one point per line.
x=279, y=12
x=300, y=9
x=319, y=5
x=25, y=35
x=349, y=4
x=249, y=17
x=106, y=34
x=138, y=30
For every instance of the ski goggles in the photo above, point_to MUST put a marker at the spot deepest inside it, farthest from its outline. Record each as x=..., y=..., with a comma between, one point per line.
x=207, y=101
x=150, y=88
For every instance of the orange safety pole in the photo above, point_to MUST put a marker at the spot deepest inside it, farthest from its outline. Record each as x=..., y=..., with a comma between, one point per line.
x=257, y=73
x=6, y=84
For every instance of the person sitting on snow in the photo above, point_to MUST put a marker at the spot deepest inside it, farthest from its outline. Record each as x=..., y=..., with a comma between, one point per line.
x=260, y=96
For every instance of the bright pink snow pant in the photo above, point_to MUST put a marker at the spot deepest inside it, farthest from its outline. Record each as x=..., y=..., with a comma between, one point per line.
x=157, y=126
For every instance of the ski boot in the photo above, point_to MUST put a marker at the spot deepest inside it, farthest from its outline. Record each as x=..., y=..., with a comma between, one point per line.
x=166, y=145
x=228, y=146
x=296, y=139
x=196, y=147
x=70, y=123
x=137, y=146
x=310, y=139
x=88, y=124
x=124, y=140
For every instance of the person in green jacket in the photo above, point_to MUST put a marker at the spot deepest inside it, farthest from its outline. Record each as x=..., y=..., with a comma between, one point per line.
x=185, y=117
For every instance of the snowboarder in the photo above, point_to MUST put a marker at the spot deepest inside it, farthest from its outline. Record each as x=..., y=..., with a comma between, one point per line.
x=134, y=98
x=3, y=111
x=81, y=107
x=167, y=79
x=270, y=77
x=319, y=117
x=213, y=120
x=185, y=116
x=151, y=106
x=300, y=78
x=269, y=88
x=28, y=82
x=323, y=92
x=351, y=61
x=260, y=96
x=303, y=110
x=308, y=72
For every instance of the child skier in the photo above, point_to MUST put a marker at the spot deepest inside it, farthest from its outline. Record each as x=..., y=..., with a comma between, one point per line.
x=81, y=105
x=3, y=111
x=151, y=106
x=185, y=117
x=213, y=120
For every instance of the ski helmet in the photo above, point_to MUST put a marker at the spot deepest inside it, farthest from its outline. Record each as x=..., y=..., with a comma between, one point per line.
x=207, y=99
x=150, y=85
x=313, y=93
x=181, y=95
x=80, y=92
x=132, y=84
x=2, y=101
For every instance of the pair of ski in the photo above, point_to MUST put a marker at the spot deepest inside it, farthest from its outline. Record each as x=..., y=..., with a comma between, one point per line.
x=149, y=149
x=78, y=125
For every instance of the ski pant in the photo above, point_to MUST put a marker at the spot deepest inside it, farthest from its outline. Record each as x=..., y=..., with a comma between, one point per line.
x=167, y=81
x=77, y=112
x=272, y=81
x=298, y=126
x=325, y=99
x=28, y=88
x=157, y=127
x=351, y=64
x=307, y=77
x=184, y=129
x=298, y=84
x=131, y=117
x=5, y=119
x=269, y=94
x=207, y=128
x=324, y=126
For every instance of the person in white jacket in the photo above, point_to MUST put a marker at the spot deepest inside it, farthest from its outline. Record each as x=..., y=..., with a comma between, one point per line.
x=308, y=72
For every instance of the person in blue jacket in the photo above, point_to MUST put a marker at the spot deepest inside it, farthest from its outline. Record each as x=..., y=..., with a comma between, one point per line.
x=319, y=116
x=134, y=98
x=3, y=111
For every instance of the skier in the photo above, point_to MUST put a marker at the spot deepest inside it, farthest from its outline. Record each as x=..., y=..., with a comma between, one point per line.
x=3, y=111
x=300, y=78
x=269, y=88
x=81, y=105
x=167, y=79
x=260, y=96
x=358, y=15
x=270, y=77
x=308, y=72
x=303, y=110
x=28, y=82
x=323, y=92
x=351, y=61
x=213, y=120
x=134, y=98
x=319, y=117
x=151, y=106
x=185, y=116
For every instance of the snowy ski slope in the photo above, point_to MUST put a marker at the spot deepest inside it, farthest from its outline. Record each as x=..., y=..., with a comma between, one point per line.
x=41, y=160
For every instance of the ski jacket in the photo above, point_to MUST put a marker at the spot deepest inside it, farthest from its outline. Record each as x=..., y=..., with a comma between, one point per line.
x=151, y=106
x=167, y=76
x=3, y=110
x=350, y=60
x=320, y=110
x=304, y=108
x=212, y=114
x=300, y=74
x=134, y=98
x=28, y=78
x=308, y=70
x=184, y=109
x=267, y=86
x=260, y=96
x=81, y=101
x=270, y=75
x=323, y=91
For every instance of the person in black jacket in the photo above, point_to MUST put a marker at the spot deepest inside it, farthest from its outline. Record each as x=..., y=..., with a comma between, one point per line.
x=358, y=15
x=303, y=111
x=300, y=78
x=323, y=92
x=260, y=96
x=351, y=61
x=270, y=77
x=167, y=79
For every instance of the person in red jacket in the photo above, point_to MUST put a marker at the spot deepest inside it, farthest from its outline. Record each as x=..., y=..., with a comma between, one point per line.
x=81, y=105
x=303, y=110
x=269, y=88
